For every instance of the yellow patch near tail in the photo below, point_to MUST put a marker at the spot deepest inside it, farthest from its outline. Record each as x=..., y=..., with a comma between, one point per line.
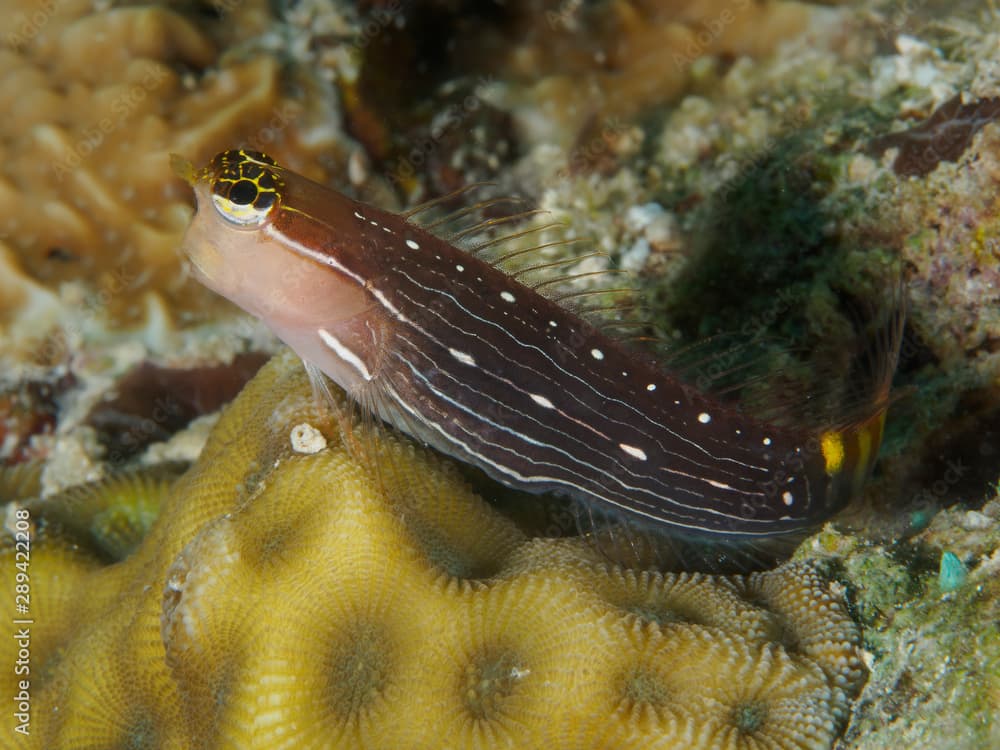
x=865, y=456
x=869, y=439
x=832, y=445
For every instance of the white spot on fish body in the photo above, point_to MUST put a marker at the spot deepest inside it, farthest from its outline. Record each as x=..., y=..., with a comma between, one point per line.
x=597, y=354
x=464, y=358
x=542, y=401
x=719, y=485
x=460, y=268
x=507, y=296
x=553, y=324
x=651, y=387
x=704, y=417
x=766, y=441
x=638, y=453
x=412, y=245
x=787, y=497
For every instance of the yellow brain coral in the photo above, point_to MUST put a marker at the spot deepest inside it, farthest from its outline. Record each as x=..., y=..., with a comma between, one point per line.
x=289, y=599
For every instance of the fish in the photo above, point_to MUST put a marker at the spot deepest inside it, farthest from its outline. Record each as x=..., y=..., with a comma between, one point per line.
x=458, y=353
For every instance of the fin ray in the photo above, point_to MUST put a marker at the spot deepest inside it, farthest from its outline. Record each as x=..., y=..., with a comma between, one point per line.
x=446, y=198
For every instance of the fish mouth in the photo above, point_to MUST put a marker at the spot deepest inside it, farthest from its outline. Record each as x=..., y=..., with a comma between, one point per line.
x=195, y=268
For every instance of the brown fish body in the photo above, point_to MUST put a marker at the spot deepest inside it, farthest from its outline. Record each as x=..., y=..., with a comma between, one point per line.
x=460, y=354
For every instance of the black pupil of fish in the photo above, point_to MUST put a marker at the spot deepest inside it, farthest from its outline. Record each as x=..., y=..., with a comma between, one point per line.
x=243, y=192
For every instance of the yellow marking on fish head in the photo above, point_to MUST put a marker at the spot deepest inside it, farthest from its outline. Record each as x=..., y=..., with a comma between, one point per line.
x=238, y=195
x=250, y=241
x=245, y=189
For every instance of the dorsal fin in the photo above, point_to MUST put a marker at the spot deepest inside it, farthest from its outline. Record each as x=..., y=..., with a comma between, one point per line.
x=530, y=255
x=411, y=213
x=482, y=205
x=504, y=259
x=508, y=238
x=827, y=388
x=523, y=271
x=488, y=225
x=842, y=379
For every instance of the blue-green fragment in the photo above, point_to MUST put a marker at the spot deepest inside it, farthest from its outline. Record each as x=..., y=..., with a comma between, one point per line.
x=952, y=573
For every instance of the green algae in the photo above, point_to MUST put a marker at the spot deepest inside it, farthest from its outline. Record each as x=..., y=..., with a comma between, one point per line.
x=934, y=656
x=936, y=675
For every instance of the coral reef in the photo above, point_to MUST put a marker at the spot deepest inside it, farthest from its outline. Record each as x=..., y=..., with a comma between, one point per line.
x=944, y=136
x=773, y=180
x=305, y=599
x=151, y=403
x=934, y=649
x=534, y=73
x=108, y=517
x=27, y=409
x=97, y=99
x=615, y=60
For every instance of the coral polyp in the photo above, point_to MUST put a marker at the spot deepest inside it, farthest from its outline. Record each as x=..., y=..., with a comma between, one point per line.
x=289, y=600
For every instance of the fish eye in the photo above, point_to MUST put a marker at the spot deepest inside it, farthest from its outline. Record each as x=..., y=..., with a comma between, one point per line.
x=245, y=190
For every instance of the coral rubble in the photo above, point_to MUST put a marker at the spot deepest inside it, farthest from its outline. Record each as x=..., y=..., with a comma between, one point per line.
x=96, y=100
x=290, y=599
x=933, y=649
